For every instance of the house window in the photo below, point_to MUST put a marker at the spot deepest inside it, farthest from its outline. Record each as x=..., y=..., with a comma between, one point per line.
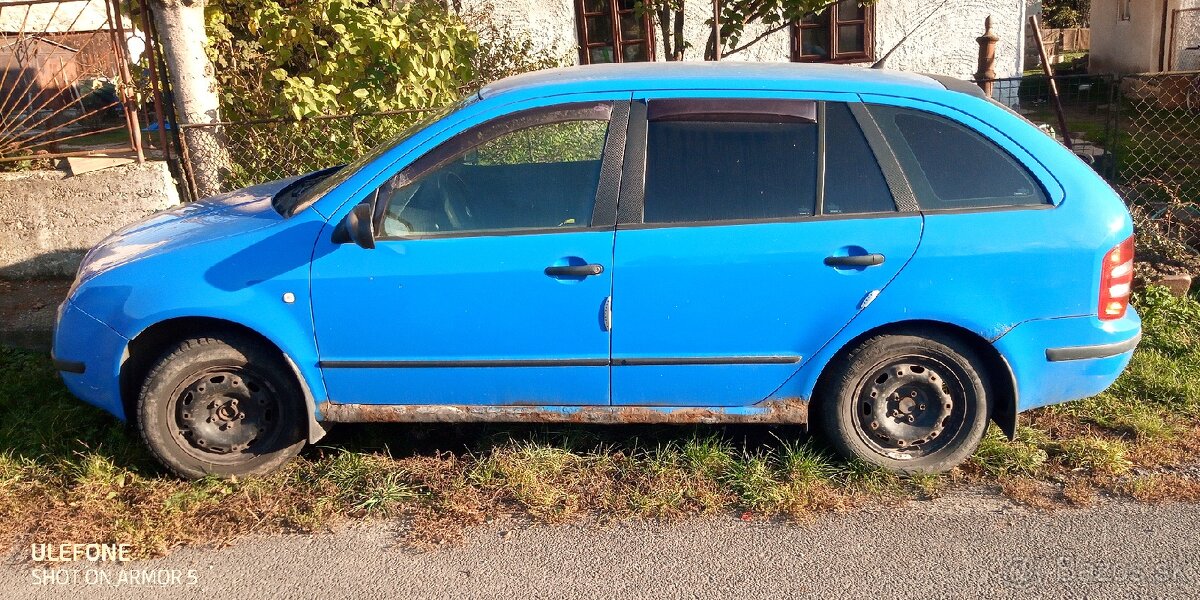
x=844, y=32
x=613, y=31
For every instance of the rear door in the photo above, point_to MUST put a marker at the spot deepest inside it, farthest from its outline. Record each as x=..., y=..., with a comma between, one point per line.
x=760, y=228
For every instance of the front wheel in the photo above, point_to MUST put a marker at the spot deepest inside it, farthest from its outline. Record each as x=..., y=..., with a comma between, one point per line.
x=909, y=403
x=221, y=405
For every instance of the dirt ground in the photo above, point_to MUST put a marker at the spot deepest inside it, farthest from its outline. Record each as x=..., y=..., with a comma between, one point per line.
x=28, y=309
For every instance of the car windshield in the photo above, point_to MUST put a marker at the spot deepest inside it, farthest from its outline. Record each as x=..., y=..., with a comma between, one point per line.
x=303, y=192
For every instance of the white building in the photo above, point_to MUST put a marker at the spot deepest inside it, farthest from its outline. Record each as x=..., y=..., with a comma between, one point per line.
x=932, y=36
x=1139, y=36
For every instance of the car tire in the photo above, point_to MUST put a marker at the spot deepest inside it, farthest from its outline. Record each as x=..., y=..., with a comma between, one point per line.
x=912, y=402
x=221, y=405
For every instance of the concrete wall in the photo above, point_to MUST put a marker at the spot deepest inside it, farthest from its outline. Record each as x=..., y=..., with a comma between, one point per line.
x=933, y=37
x=48, y=219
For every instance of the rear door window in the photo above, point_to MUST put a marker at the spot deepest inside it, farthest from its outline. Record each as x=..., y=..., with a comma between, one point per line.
x=853, y=181
x=730, y=168
x=951, y=166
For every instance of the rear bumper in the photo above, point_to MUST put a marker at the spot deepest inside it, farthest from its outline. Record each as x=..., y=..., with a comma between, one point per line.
x=1059, y=360
x=87, y=354
x=1094, y=350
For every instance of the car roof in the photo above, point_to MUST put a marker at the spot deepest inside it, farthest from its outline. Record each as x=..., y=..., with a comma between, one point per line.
x=729, y=75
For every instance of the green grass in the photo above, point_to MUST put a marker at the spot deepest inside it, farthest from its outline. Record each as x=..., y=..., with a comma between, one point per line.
x=69, y=472
x=117, y=137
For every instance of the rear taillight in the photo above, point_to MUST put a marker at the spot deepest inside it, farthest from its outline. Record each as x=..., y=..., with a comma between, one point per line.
x=1116, y=278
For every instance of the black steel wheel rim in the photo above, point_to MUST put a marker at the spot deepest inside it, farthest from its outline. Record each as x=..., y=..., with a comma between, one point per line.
x=225, y=414
x=910, y=407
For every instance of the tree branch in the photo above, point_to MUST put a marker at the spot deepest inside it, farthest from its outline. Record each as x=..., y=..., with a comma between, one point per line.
x=757, y=39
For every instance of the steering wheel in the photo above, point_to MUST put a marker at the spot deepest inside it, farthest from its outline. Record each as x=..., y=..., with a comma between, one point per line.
x=454, y=195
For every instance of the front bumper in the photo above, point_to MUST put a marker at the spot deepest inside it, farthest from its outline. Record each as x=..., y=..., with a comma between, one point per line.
x=87, y=354
x=1059, y=360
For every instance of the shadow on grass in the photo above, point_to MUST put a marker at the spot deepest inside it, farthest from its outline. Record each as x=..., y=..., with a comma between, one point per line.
x=407, y=440
x=41, y=421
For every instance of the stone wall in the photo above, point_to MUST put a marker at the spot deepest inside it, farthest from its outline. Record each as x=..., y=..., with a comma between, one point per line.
x=48, y=220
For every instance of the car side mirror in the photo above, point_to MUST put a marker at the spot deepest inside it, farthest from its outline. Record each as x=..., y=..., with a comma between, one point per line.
x=356, y=227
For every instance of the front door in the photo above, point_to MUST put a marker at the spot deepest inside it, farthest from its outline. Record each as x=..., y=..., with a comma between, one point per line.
x=765, y=227
x=490, y=276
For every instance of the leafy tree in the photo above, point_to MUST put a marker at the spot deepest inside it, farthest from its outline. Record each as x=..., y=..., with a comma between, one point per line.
x=502, y=51
x=668, y=16
x=1065, y=14
x=277, y=58
x=776, y=15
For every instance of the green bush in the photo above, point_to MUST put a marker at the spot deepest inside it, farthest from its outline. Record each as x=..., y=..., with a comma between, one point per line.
x=336, y=56
x=1170, y=324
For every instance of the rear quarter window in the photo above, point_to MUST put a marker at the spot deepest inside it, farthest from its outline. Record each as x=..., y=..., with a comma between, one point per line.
x=951, y=166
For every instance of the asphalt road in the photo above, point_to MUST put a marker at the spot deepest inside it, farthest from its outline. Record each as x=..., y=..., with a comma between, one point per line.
x=964, y=545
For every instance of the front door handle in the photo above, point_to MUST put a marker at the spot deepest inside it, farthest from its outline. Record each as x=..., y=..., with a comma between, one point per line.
x=575, y=270
x=862, y=260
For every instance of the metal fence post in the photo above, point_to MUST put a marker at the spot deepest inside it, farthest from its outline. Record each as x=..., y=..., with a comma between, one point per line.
x=1113, y=136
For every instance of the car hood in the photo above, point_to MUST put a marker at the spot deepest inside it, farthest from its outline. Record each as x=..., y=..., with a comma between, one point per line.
x=225, y=215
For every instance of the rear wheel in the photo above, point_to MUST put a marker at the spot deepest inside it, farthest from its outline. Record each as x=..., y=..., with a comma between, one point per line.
x=221, y=405
x=910, y=403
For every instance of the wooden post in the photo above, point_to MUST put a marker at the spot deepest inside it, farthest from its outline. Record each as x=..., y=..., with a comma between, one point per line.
x=987, y=57
x=1054, y=97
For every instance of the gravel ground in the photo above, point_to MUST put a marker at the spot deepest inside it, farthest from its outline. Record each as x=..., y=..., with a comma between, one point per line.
x=962, y=545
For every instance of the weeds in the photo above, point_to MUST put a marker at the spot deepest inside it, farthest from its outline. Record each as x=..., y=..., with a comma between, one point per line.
x=68, y=472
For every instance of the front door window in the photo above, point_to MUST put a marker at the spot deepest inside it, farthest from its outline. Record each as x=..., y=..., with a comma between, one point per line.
x=540, y=177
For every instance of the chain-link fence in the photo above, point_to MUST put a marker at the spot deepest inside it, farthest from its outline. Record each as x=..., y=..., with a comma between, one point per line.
x=1158, y=173
x=268, y=149
x=1160, y=129
x=1133, y=128
x=1089, y=110
x=1141, y=132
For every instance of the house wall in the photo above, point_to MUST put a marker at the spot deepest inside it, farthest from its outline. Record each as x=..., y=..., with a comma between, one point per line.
x=940, y=35
x=1138, y=45
x=550, y=24
x=1131, y=46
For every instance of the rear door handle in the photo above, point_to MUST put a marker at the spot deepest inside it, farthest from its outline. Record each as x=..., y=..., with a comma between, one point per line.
x=862, y=260
x=575, y=270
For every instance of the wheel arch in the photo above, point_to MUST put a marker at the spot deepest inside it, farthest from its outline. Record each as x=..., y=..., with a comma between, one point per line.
x=1004, y=385
x=150, y=344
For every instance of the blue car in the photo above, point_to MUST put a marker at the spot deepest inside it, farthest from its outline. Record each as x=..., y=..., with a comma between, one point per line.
x=890, y=258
